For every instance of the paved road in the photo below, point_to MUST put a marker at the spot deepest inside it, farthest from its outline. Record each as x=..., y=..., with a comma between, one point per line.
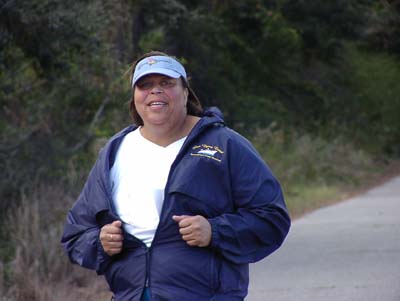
x=348, y=251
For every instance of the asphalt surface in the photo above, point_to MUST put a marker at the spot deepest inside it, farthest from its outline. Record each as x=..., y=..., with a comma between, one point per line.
x=348, y=251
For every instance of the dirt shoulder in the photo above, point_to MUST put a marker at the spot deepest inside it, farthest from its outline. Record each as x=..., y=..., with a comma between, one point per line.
x=389, y=172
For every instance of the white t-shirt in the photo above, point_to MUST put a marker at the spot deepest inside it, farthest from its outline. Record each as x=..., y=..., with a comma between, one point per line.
x=138, y=178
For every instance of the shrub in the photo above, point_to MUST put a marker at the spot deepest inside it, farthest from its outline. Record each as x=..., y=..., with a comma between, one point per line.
x=312, y=170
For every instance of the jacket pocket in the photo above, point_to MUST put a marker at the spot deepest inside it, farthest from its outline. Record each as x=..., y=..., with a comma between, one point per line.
x=126, y=272
x=179, y=266
x=233, y=277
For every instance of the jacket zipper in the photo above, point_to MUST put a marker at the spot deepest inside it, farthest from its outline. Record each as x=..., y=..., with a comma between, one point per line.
x=147, y=277
x=190, y=138
x=147, y=281
x=177, y=159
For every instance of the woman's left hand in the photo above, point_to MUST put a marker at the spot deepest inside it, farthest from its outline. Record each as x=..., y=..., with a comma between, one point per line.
x=195, y=230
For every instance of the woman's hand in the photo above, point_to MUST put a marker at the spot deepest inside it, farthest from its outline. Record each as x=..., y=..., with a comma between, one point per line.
x=111, y=238
x=195, y=230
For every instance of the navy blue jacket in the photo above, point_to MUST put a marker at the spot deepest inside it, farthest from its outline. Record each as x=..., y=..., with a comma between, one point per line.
x=217, y=174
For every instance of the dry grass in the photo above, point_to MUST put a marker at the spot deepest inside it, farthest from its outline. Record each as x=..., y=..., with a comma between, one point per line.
x=40, y=270
x=315, y=172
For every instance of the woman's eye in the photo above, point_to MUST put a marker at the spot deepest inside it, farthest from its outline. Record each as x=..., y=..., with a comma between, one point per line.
x=148, y=84
x=167, y=83
x=145, y=85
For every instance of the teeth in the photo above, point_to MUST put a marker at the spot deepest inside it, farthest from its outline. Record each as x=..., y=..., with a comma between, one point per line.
x=157, y=103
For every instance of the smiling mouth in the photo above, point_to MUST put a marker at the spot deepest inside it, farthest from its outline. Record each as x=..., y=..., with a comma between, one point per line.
x=157, y=103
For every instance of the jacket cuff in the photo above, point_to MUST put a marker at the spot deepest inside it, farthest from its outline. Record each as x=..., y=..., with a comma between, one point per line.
x=215, y=237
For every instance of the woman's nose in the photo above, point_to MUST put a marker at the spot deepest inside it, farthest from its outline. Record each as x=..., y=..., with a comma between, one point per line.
x=156, y=89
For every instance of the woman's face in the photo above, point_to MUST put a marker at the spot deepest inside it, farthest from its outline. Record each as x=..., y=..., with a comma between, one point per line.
x=160, y=100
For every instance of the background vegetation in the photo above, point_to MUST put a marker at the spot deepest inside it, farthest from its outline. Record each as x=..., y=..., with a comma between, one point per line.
x=314, y=84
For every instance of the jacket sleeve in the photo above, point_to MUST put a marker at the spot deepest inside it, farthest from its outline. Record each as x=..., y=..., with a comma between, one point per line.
x=260, y=222
x=80, y=238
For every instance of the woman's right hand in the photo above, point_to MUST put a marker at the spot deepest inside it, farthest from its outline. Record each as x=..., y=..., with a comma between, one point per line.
x=111, y=238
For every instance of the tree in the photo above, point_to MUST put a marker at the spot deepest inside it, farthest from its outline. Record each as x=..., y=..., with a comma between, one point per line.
x=53, y=87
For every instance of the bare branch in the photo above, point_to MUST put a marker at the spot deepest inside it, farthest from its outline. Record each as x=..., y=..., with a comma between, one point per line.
x=25, y=137
x=90, y=132
x=391, y=5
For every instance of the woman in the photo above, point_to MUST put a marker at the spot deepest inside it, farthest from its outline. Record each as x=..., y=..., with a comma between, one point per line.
x=177, y=205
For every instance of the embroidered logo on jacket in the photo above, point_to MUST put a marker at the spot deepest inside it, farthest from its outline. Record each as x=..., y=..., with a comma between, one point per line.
x=208, y=151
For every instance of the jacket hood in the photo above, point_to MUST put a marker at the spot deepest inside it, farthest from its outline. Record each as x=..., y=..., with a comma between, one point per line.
x=212, y=115
x=213, y=111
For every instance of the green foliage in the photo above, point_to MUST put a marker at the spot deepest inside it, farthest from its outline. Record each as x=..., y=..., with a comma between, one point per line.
x=376, y=103
x=152, y=40
x=383, y=29
x=287, y=61
x=324, y=25
x=320, y=77
x=47, y=30
x=58, y=87
x=250, y=42
x=312, y=170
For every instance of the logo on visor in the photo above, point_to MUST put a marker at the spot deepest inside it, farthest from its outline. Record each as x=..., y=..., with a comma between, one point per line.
x=208, y=151
x=151, y=61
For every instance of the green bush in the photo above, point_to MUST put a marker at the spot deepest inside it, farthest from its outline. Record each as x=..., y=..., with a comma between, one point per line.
x=375, y=80
x=314, y=171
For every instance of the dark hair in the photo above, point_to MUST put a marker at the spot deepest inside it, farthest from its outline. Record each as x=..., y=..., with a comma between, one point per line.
x=193, y=105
